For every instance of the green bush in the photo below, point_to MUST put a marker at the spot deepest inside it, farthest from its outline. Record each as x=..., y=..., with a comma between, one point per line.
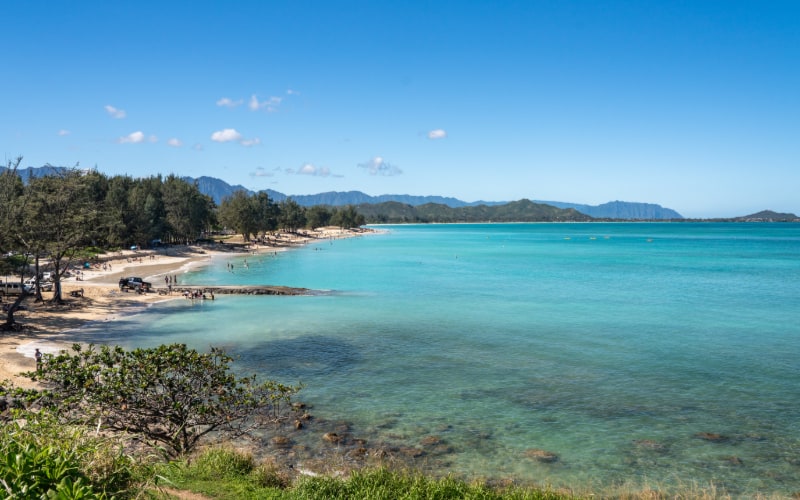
x=41, y=459
x=170, y=396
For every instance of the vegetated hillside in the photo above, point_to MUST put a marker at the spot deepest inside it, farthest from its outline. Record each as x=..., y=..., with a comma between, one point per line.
x=515, y=211
x=218, y=189
x=768, y=216
x=621, y=210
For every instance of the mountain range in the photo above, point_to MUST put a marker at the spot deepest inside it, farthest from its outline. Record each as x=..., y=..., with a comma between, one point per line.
x=218, y=189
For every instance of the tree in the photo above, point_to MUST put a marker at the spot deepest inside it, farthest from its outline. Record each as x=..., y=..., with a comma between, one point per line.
x=171, y=395
x=248, y=215
x=267, y=212
x=318, y=216
x=11, y=190
x=188, y=212
x=146, y=211
x=59, y=218
x=238, y=212
x=118, y=215
x=292, y=216
x=348, y=218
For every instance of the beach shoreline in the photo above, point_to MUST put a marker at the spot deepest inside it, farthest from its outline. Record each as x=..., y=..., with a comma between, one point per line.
x=51, y=328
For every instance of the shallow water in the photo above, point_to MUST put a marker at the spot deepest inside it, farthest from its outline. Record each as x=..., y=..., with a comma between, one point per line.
x=612, y=346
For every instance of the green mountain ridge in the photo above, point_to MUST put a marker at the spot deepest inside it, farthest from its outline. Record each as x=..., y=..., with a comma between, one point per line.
x=393, y=212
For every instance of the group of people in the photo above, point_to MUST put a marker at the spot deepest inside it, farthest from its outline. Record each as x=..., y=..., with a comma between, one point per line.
x=197, y=294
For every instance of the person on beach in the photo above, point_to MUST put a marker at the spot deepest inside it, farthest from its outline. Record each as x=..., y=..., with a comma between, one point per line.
x=38, y=356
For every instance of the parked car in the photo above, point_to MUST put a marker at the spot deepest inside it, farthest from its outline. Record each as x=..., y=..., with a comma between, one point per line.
x=12, y=288
x=46, y=286
x=134, y=283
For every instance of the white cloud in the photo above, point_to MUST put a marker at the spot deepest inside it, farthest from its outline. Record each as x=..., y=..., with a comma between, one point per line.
x=114, y=112
x=232, y=135
x=229, y=103
x=310, y=169
x=292, y=92
x=437, y=134
x=253, y=104
x=63, y=132
x=270, y=104
x=226, y=135
x=261, y=172
x=379, y=166
x=197, y=147
x=175, y=143
x=132, y=138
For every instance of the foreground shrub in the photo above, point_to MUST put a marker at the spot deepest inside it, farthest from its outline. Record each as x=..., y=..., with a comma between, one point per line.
x=170, y=395
x=41, y=459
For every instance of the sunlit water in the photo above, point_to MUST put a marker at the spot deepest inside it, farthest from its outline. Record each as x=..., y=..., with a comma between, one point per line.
x=612, y=346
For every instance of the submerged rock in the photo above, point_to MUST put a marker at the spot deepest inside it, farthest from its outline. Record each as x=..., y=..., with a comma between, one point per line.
x=541, y=455
x=430, y=441
x=332, y=437
x=649, y=444
x=410, y=451
x=734, y=460
x=711, y=436
x=281, y=441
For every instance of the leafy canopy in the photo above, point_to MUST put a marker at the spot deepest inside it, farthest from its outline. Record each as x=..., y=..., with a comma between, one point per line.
x=171, y=395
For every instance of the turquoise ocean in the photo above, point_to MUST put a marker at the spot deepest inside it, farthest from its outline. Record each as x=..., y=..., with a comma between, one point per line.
x=659, y=354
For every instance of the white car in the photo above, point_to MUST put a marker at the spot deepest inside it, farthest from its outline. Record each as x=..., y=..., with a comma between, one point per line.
x=30, y=285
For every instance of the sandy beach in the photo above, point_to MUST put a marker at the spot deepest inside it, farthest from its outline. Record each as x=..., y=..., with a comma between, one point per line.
x=48, y=327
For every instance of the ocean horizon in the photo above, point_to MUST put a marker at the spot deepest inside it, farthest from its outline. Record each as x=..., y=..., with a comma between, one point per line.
x=585, y=355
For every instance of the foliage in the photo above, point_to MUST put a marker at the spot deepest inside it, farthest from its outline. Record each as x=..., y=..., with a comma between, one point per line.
x=170, y=395
x=517, y=211
x=11, y=189
x=40, y=458
x=292, y=216
x=224, y=473
x=383, y=483
x=188, y=212
x=248, y=215
x=317, y=216
x=348, y=218
x=60, y=217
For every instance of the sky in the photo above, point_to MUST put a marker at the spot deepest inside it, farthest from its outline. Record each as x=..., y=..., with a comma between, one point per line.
x=690, y=104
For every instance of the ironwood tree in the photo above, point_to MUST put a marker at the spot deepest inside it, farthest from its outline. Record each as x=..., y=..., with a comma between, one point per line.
x=60, y=218
x=170, y=395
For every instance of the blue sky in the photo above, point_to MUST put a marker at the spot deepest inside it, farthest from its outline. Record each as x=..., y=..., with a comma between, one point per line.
x=694, y=105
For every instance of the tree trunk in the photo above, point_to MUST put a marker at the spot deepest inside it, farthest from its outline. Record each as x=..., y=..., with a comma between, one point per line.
x=38, y=290
x=10, y=325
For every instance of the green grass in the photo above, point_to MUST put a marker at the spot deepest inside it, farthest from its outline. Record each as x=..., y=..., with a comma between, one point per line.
x=224, y=473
